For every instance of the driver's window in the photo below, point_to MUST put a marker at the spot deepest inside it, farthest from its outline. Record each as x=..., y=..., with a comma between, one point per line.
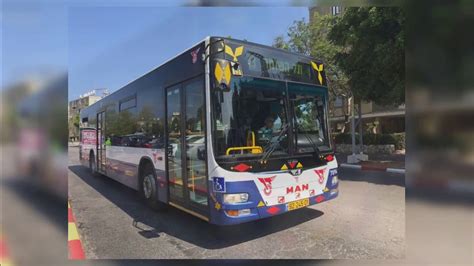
x=308, y=117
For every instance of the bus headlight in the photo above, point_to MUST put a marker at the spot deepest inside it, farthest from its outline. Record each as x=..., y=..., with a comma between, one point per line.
x=236, y=198
x=334, y=180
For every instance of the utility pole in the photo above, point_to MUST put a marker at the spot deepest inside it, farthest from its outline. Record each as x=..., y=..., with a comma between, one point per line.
x=355, y=158
x=361, y=156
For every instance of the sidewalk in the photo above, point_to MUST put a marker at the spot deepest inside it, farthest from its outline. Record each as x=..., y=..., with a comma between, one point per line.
x=377, y=162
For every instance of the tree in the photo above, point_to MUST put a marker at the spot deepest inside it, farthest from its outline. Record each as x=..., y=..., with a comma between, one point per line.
x=311, y=38
x=373, y=57
x=279, y=42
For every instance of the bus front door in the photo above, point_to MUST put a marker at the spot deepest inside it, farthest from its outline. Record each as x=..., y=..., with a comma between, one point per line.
x=186, y=144
x=100, y=148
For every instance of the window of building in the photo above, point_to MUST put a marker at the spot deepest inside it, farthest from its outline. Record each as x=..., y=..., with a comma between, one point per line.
x=335, y=10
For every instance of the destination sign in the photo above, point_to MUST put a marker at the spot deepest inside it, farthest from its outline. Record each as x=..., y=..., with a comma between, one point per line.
x=261, y=61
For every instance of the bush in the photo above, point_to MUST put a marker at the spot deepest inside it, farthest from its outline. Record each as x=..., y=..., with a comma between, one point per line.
x=397, y=139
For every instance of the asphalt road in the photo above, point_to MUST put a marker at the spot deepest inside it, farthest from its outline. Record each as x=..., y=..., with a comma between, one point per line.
x=366, y=221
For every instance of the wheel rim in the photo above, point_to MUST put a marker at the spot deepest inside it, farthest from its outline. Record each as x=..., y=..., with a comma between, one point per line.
x=148, y=184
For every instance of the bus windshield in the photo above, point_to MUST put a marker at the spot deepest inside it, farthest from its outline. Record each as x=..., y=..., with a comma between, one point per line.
x=254, y=115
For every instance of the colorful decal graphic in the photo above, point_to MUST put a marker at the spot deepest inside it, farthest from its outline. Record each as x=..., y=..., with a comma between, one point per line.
x=89, y=137
x=297, y=188
x=194, y=54
x=295, y=168
x=281, y=199
x=311, y=192
x=320, y=173
x=319, y=69
x=267, y=183
x=222, y=72
x=261, y=204
x=219, y=184
x=238, y=52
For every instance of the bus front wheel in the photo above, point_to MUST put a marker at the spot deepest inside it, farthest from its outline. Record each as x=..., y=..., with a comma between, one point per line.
x=148, y=188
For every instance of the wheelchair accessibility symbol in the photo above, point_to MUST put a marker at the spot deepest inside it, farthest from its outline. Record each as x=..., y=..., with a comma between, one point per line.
x=219, y=184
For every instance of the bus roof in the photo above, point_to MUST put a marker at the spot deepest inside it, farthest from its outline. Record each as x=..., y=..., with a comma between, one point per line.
x=206, y=39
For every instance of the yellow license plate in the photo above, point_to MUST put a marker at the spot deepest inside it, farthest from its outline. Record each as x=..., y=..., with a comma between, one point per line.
x=297, y=204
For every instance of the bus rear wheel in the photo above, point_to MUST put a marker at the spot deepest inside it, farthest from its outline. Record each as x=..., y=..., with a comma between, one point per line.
x=93, y=165
x=148, y=188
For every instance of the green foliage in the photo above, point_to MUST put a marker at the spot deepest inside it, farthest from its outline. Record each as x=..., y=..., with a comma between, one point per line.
x=76, y=120
x=397, y=139
x=279, y=42
x=312, y=39
x=374, y=56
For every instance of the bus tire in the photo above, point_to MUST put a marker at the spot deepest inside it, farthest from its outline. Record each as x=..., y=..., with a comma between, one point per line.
x=92, y=164
x=148, y=188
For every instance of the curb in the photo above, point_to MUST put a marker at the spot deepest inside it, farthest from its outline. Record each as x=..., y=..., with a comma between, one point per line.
x=373, y=168
x=5, y=259
x=76, y=252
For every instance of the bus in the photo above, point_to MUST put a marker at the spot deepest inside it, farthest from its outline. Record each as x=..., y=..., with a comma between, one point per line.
x=228, y=131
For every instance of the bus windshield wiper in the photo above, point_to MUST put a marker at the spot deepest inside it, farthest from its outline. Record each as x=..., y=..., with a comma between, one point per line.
x=271, y=146
x=314, y=146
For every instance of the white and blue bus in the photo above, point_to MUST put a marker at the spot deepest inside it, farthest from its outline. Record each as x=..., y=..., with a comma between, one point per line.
x=228, y=131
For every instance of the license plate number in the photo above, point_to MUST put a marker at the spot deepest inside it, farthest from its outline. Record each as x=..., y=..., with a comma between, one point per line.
x=297, y=204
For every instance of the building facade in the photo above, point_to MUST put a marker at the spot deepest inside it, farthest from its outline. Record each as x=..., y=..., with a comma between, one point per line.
x=74, y=108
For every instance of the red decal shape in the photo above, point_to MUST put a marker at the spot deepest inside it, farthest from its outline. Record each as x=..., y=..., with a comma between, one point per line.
x=194, y=54
x=292, y=164
x=273, y=210
x=297, y=188
x=267, y=183
x=320, y=173
x=281, y=199
x=319, y=198
x=242, y=167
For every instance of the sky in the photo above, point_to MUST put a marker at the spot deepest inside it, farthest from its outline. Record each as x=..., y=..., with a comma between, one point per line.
x=112, y=46
x=107, y=44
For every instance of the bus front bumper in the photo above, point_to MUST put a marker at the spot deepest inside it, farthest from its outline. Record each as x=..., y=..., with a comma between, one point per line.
x=254, y=209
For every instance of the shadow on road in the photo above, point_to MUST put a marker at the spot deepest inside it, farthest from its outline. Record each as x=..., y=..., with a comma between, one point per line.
x=375, y=177
x=181, y=225
x=38, y=199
